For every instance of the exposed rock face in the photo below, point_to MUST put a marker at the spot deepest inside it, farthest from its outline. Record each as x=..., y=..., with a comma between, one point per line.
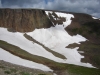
x=55, y=19
x=24, y=20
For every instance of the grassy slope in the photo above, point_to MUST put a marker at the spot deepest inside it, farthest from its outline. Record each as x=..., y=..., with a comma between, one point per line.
x=91, y=48
x=90, y=30
x=91, y=53
x=72, y=69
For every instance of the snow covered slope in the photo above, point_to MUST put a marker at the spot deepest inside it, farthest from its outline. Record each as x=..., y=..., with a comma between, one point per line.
x=19, y=40
x=6, y=56
x=55, y=38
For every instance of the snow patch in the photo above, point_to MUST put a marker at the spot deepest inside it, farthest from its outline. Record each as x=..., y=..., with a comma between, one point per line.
x=67, y=16
x=94, y=18
x=81, y=51
x=6, y=56
x=19, y=40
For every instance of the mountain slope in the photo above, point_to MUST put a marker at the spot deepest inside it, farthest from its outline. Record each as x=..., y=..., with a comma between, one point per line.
x=48, y=38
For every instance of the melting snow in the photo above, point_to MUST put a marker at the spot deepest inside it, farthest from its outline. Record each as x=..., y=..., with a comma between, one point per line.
x=56, y=38
x=6, y=56
x=19, y=40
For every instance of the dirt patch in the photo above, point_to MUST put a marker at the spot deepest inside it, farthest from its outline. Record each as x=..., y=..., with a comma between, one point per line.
x=73, y=45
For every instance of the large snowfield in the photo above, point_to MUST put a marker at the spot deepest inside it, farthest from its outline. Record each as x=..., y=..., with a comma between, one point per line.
x=55, y=38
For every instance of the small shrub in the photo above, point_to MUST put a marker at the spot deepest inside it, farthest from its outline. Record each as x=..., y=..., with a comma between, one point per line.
x=13, y=70
x=2, y=67
x=7, y=72
x=24, y=73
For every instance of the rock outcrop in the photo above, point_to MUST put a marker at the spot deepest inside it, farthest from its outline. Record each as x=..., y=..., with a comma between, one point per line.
x=24, y=20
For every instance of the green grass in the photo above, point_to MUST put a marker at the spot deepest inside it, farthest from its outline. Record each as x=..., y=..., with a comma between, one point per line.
x=13, y=70
x=72, y=69
x=7, y=72
x=24, y=73
x=88, y=29
x=77, y=70
x=91, y=52
x=2, y=67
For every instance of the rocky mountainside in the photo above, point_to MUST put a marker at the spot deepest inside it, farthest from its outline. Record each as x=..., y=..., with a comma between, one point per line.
x=64, y=43
x=23, y=20
x=26, y=20
x=85, y=25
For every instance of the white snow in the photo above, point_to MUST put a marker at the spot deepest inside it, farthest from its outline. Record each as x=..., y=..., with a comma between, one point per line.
x=94, y=18
x=81, y=51
x=56, y=38
x=67, y=16
x=19, y=40
x=8, y=57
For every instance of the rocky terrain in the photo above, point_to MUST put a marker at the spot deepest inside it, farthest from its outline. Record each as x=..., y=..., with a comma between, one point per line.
x=23, y=20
